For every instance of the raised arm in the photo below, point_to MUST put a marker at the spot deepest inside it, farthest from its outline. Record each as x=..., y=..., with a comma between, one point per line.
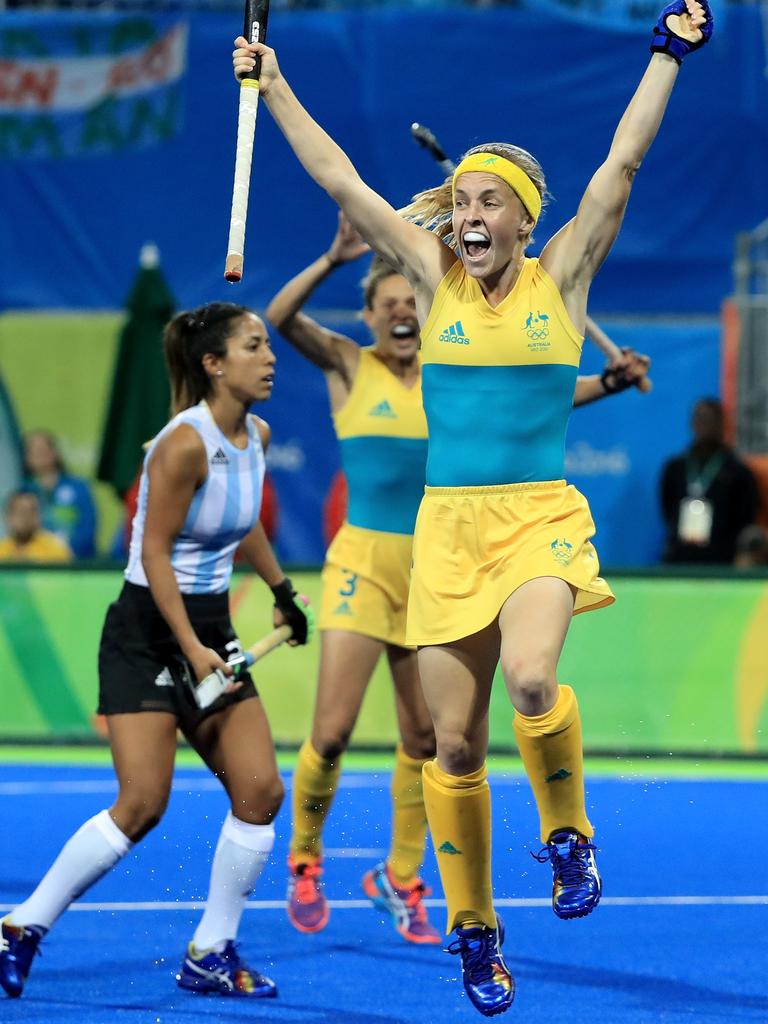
x=418, y=254
x=630, y=371
x=331, y=352
x=626, y=368
x=574, y=255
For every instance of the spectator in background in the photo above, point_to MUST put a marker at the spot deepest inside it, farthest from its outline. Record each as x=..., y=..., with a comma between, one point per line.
x=27, y=541
x=707, y=495
x=66, y=503
x=752, y=548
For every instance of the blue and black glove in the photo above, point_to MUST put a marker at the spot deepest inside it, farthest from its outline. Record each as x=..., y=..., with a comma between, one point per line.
x=665, y=40
x=296, y=611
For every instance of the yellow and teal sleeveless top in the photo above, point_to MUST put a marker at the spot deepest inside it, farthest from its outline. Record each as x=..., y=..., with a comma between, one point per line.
x=382, y=431
x=498, y=383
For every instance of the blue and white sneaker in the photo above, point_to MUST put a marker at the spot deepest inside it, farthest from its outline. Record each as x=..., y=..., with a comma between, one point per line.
x=223, y=972
x=18, y=945
x=487, y=979
x=576, y=883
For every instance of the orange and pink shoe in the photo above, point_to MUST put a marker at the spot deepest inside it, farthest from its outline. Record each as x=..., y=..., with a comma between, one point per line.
x=307, y=908
x=404, y=905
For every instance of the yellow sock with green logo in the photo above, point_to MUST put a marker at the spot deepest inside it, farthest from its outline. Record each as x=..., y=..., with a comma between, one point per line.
x=550, y=746
x=409, y=819
x=459, y=814
x=314, y=786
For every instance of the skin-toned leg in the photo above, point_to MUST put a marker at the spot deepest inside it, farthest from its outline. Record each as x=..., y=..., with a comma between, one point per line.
x=534, y=622
x=347, y=661
x=409, y=821
x=456, y=679
x=413, y=718
x=236, y=744
x=143, y=753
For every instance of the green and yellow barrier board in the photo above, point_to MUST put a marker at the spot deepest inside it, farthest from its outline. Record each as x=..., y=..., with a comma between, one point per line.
x=675, y=666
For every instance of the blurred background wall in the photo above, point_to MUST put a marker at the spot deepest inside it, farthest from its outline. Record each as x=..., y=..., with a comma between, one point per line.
x=144, y=153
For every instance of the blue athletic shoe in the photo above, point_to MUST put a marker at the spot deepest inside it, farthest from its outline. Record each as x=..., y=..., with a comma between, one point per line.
x=576, y=884
x=487, y=979
x=18, y=945
x=223, y=973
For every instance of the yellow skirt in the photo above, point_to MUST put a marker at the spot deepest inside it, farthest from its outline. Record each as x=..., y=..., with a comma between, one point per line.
x=474, y=546
x=365, y=583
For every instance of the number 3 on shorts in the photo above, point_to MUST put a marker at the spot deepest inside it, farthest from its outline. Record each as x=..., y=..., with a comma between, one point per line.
x=350, y=584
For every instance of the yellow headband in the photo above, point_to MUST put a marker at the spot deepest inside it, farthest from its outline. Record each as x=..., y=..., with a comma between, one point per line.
x=514, y=176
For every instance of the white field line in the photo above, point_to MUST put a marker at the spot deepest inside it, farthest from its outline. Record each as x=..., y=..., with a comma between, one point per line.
x=184, y=784
x=514, y=903
x=377, y=781
x=353, y=853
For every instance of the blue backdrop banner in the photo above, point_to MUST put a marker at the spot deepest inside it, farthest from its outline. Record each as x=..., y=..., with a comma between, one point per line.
x=116, y=130
x=626, y=15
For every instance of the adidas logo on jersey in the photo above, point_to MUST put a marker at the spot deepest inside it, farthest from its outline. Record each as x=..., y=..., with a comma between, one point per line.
x=343, y=609
x=383, y=409
x=219, y=458
x=455, y=335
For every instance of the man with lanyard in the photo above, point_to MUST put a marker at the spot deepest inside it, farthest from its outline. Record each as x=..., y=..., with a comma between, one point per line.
x=707, y=494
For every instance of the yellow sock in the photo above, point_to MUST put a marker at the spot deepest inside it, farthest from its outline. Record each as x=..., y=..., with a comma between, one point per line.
x=550, y=746
x=459, y=815
x=314, y=787
x=409, y=819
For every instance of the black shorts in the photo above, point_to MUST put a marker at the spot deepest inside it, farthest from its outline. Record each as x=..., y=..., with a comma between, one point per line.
x=141, y=667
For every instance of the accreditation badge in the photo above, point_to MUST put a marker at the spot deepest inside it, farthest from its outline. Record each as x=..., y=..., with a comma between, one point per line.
x=694, y=525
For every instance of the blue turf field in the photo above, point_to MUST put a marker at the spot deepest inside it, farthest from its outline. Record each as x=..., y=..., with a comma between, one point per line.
x=660, y=949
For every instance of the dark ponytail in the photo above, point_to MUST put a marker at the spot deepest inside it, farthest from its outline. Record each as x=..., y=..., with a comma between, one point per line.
x=189, y=337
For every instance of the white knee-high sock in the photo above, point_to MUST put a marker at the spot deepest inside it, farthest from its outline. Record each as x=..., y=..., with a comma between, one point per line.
x=241, y=853
x=95, y=848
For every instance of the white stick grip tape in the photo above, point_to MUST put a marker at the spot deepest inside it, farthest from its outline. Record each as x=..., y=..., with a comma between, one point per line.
x=215, y=684
x=246, y=126
x=211, y=688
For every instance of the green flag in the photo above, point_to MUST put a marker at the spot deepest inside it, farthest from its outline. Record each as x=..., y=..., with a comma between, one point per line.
x=139, y=405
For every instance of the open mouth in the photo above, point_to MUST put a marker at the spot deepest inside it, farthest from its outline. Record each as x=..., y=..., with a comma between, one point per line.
x=269, y=379
x=476, y=244
x=401, y=332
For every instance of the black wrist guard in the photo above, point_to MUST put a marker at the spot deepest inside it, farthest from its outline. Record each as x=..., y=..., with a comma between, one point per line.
x=293, y=611
x=614, y=381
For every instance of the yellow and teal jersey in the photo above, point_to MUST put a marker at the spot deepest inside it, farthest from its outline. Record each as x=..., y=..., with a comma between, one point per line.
x=498, y=383
x=382, y=432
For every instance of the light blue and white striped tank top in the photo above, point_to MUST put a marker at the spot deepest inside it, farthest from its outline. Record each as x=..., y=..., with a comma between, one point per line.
x=224, y=509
